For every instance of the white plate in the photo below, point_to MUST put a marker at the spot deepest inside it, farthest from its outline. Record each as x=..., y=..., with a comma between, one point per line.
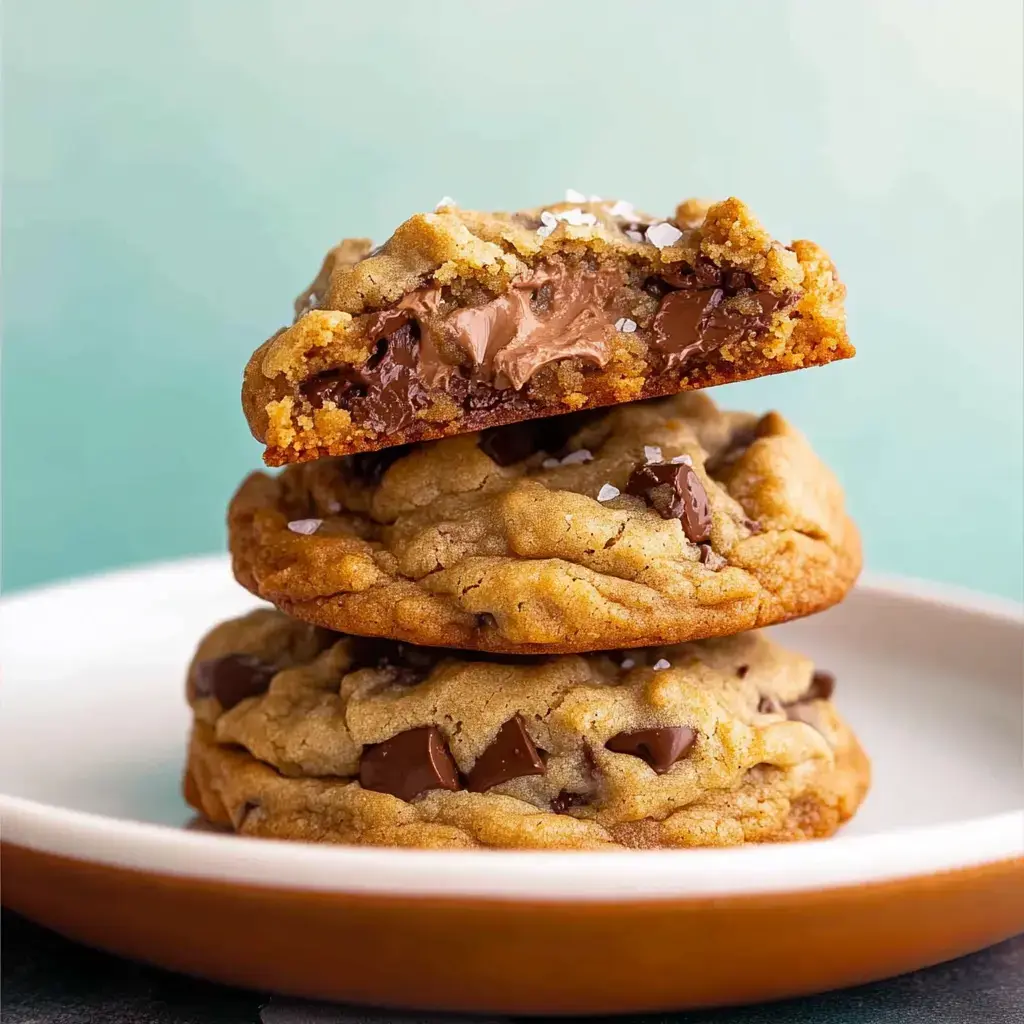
x=93, y=723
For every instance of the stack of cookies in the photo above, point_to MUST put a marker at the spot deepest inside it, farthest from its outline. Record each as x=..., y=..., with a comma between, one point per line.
x=519, y=560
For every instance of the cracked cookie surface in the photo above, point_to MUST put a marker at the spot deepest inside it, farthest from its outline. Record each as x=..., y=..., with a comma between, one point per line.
x=340, y=739
x=464, y=320
x=654, y=522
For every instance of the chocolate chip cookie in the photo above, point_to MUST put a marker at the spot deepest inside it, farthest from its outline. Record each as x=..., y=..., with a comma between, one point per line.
x=304, y=734
x=652, y=522
x=465, y=320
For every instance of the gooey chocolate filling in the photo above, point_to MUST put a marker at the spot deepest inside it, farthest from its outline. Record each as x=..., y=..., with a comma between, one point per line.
x=483, y=356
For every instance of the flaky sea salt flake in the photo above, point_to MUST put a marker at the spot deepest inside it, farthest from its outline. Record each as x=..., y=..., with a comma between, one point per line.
x=572, y=196
x=445, y=203
x=576, y=217
x=574, y=458
x=305, y=526
x=652, y=453
x=607, y=492
x=663, y=234
x=681, y=460
x=551, y=464
x=624, y=325
x=661, y=664
x=627, y=663
x=634, y=236
x=548, y=223
x=623, y=209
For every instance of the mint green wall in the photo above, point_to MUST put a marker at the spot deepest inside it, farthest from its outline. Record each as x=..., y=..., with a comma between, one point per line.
x=174, y=171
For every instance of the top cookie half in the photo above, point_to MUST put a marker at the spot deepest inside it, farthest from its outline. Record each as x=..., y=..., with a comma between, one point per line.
x=465, y=320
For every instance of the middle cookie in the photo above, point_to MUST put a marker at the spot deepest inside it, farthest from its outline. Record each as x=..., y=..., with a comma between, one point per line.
x=651, y=523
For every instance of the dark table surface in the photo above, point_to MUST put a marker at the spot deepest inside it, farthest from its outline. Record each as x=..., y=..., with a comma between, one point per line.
x=46, y=978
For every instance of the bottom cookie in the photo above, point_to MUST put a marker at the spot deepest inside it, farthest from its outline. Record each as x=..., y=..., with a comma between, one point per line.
x=308, y=735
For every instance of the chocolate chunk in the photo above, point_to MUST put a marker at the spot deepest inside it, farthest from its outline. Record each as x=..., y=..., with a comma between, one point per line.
x=730, y=323
x=332, y=386
x=742, y=671
x=735, y=281
x=565, y=800
x=658, y=288
x=409, y=663
x=511, y=755
x=823, y=685
x=518, y=441
x=740, y=440
x=387, y=390
x=370, y=467
x=660, y=748
x=681, y=323
x=508, y=445
x=394, y=387
x=232, y=678
x=700, y=317
x=238, y=818
x=409, y=764
x=674, y=491
x=557, y=431
x=707, y=274
x=712, y=559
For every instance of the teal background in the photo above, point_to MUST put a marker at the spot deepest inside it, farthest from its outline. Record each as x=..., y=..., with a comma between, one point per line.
x=174, y=171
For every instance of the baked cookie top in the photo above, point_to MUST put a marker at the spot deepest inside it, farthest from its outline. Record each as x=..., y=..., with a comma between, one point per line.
x=616, y=741
x=464, y=320
x=652, y=522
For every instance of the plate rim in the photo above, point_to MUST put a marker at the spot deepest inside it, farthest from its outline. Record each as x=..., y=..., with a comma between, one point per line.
x=765, y=869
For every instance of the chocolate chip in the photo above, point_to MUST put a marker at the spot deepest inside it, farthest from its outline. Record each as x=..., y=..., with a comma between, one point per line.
x=742, y=671
x=409, y=764
x=660, y=748
x=561, y=803
x=674, y=491
x=232, y=678
x=823, y=685
x=511, y=755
